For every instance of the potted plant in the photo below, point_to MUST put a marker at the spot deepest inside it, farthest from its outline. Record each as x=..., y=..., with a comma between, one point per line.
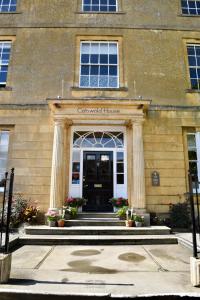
x=30, y=214
x=61, y=220
x=121, y=213
x=118, y=203
x=139, y=220
x=130, y=218
x=75, y=202
x=52, y=217
x=70, y=212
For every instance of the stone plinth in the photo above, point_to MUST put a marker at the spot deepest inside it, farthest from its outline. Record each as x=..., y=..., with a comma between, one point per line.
x=5, y=267
x=195, y=271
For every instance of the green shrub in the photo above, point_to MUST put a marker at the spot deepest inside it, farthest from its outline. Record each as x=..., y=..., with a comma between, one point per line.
x=180, y=215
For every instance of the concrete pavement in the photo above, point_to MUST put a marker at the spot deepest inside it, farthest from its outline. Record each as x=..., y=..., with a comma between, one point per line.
x=100, y=270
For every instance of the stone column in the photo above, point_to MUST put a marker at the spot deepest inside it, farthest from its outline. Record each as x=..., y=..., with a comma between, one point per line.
x=56, y=191
x=138, y=186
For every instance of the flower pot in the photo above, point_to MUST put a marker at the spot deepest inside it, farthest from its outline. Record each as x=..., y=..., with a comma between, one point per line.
x=61, y=223
x=138, y=224
x=115, y=209
x=129, y=223
x=80, y=209
x=51, y=223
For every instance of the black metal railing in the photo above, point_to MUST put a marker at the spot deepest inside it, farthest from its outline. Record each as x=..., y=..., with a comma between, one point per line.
x=194, y=187
x=7, y=184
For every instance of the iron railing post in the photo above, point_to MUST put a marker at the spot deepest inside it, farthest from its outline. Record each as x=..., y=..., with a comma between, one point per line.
x=10, y=194
x=194, y=238
x=3, y=208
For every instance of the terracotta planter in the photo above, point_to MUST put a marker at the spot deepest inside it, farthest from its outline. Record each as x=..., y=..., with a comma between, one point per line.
x=129, y=223
x=61, y=223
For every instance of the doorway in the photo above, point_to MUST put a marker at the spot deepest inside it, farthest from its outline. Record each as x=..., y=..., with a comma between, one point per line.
x=98, y=180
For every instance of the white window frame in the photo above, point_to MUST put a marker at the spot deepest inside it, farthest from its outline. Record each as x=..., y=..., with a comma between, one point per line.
x=3, y=170
x=10, y=5
x=89, y=64
x=4, y=63
x=197, y=139
x=99, y=11
x=196, y=67
x=188, y=8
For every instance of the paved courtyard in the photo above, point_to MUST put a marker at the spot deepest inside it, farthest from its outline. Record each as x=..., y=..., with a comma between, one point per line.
x=116, y=270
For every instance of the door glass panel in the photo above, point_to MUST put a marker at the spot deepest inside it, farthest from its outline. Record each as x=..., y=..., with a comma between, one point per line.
x=120, y=168
x=91, y=157
x=120, y=156
x=76, y=167
x=75, y=178
x=120, y=178
x=104, y=157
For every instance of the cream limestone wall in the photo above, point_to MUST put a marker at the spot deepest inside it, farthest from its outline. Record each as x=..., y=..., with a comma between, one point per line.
x=165, y=152
x=30, y=151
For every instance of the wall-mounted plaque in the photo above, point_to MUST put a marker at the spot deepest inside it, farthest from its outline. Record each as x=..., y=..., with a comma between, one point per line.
x=155, y=178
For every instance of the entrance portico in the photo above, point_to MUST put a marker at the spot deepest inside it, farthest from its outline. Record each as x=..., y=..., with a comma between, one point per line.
x=98, y=118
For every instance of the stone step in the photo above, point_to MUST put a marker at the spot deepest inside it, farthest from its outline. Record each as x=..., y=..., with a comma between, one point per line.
x=97, y=240
x=97, y=230
x=96, y=215
x=95, y=222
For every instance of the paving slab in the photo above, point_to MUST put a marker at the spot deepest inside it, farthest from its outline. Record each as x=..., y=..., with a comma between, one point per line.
x=29, y=257
x=170, y=258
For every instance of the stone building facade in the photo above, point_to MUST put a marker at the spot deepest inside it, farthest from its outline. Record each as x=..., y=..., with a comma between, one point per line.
x=100, y=99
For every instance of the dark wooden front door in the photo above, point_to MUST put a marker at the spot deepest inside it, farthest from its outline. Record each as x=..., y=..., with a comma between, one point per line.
x=98, y=180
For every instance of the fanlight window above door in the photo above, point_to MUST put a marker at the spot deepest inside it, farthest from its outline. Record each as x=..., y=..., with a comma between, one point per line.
x=91, y=139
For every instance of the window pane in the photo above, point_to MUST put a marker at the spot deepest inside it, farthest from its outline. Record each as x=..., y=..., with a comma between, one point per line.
x=120, y=168
x=75, y=178
x=120, y=156
x=8, y=5
x=120, y=178
x=191, y=140
x=4, y=140
x=190, y=7
x=76, y=167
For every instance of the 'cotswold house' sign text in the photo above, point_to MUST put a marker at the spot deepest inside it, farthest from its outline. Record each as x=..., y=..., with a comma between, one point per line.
x=102, y=110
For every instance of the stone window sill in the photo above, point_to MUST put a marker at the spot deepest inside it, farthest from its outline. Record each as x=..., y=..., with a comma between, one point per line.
x=7, y=88
x=124, y=89
x=192, y=91
x=182, y=15
x=10, y=12
x=101, y=12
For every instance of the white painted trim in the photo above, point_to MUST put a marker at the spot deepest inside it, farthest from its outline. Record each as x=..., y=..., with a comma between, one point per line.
x=198, y=155
x=79, y=187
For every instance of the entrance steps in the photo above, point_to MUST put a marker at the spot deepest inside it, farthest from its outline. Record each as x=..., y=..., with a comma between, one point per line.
x=97, y=229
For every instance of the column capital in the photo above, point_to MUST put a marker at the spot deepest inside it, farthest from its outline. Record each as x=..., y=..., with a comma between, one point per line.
x=138, y=121
x=62, y=122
